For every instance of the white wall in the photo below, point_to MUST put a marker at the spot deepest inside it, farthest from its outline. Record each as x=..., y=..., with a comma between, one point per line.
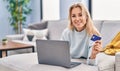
x=85, y=2
x=106, y=9
x=64, y=7
x=35, y=15
x=5, y=27
x=65, y=4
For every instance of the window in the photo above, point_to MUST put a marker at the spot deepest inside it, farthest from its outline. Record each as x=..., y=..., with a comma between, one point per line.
x=50, y=9
x=105, y=9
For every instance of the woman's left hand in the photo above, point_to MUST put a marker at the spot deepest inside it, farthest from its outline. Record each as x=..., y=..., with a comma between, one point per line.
x=97, y=47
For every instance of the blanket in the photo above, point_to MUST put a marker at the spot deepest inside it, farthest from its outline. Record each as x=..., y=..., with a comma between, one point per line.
x=114, y=46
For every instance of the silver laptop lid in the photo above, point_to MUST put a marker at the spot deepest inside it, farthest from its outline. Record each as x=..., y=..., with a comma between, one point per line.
x=53, y=52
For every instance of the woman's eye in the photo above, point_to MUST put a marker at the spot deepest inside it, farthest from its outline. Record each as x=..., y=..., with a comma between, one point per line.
x=80, y=14
x=73, y=16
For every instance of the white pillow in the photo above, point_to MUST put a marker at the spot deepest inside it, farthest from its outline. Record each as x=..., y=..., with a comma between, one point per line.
x=38, y=34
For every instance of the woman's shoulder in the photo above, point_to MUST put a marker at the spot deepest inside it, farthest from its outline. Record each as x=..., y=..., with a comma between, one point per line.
x=65, y=34
x=67, y=30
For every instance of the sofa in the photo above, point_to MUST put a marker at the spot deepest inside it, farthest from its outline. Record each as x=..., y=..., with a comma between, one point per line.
x=28, y=61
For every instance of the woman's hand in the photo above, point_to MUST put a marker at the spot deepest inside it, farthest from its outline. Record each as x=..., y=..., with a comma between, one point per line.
x=97, y=47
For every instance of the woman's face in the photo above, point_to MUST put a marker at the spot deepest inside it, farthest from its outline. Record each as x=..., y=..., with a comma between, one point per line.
x=78, y=19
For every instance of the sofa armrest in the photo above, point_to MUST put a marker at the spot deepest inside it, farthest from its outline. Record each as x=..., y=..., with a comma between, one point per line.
x=15, y=37
x=117, y=61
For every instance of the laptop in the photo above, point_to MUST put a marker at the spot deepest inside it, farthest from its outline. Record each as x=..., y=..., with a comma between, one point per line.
x=54, y=52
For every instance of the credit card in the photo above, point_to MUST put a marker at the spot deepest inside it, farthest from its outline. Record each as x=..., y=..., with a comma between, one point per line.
x=95, y=37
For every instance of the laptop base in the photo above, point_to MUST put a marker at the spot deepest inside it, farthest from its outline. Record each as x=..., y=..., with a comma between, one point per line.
x=74, y=64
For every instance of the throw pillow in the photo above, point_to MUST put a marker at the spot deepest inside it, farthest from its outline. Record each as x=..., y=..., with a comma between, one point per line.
x=37, y=34
x=39, y=25
x=26, y=32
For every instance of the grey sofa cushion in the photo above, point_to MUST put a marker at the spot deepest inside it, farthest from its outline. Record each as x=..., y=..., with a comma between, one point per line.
x=38, y=26
x=29, y=62
x=109, y=30
x=55, y=29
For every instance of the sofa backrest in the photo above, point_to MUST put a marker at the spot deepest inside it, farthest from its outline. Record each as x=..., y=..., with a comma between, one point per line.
x=55, y=29
x=109, y=30
x=98, y=24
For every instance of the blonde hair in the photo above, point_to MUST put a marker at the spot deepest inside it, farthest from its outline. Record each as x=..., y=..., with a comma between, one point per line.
x=90, y=28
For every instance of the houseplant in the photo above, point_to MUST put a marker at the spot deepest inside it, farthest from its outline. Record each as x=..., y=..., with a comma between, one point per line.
x=19, y=10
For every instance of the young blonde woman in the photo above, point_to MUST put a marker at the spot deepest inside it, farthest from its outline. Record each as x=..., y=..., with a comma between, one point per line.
x=79, y=33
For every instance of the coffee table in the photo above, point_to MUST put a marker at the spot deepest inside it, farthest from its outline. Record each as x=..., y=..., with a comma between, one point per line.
x=13, y=46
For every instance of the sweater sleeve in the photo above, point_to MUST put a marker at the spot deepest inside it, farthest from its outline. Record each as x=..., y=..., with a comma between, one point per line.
x=92, y=62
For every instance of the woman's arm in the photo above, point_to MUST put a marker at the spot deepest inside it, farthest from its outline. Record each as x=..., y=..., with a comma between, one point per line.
x=93, y=51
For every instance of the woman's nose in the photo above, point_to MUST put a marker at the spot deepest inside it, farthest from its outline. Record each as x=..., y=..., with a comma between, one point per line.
x=78, y=18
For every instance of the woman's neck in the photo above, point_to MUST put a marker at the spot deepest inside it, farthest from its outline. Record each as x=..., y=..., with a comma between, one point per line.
x=79, y=29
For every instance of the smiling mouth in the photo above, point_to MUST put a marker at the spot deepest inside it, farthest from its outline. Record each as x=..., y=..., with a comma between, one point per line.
x=78, y=23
